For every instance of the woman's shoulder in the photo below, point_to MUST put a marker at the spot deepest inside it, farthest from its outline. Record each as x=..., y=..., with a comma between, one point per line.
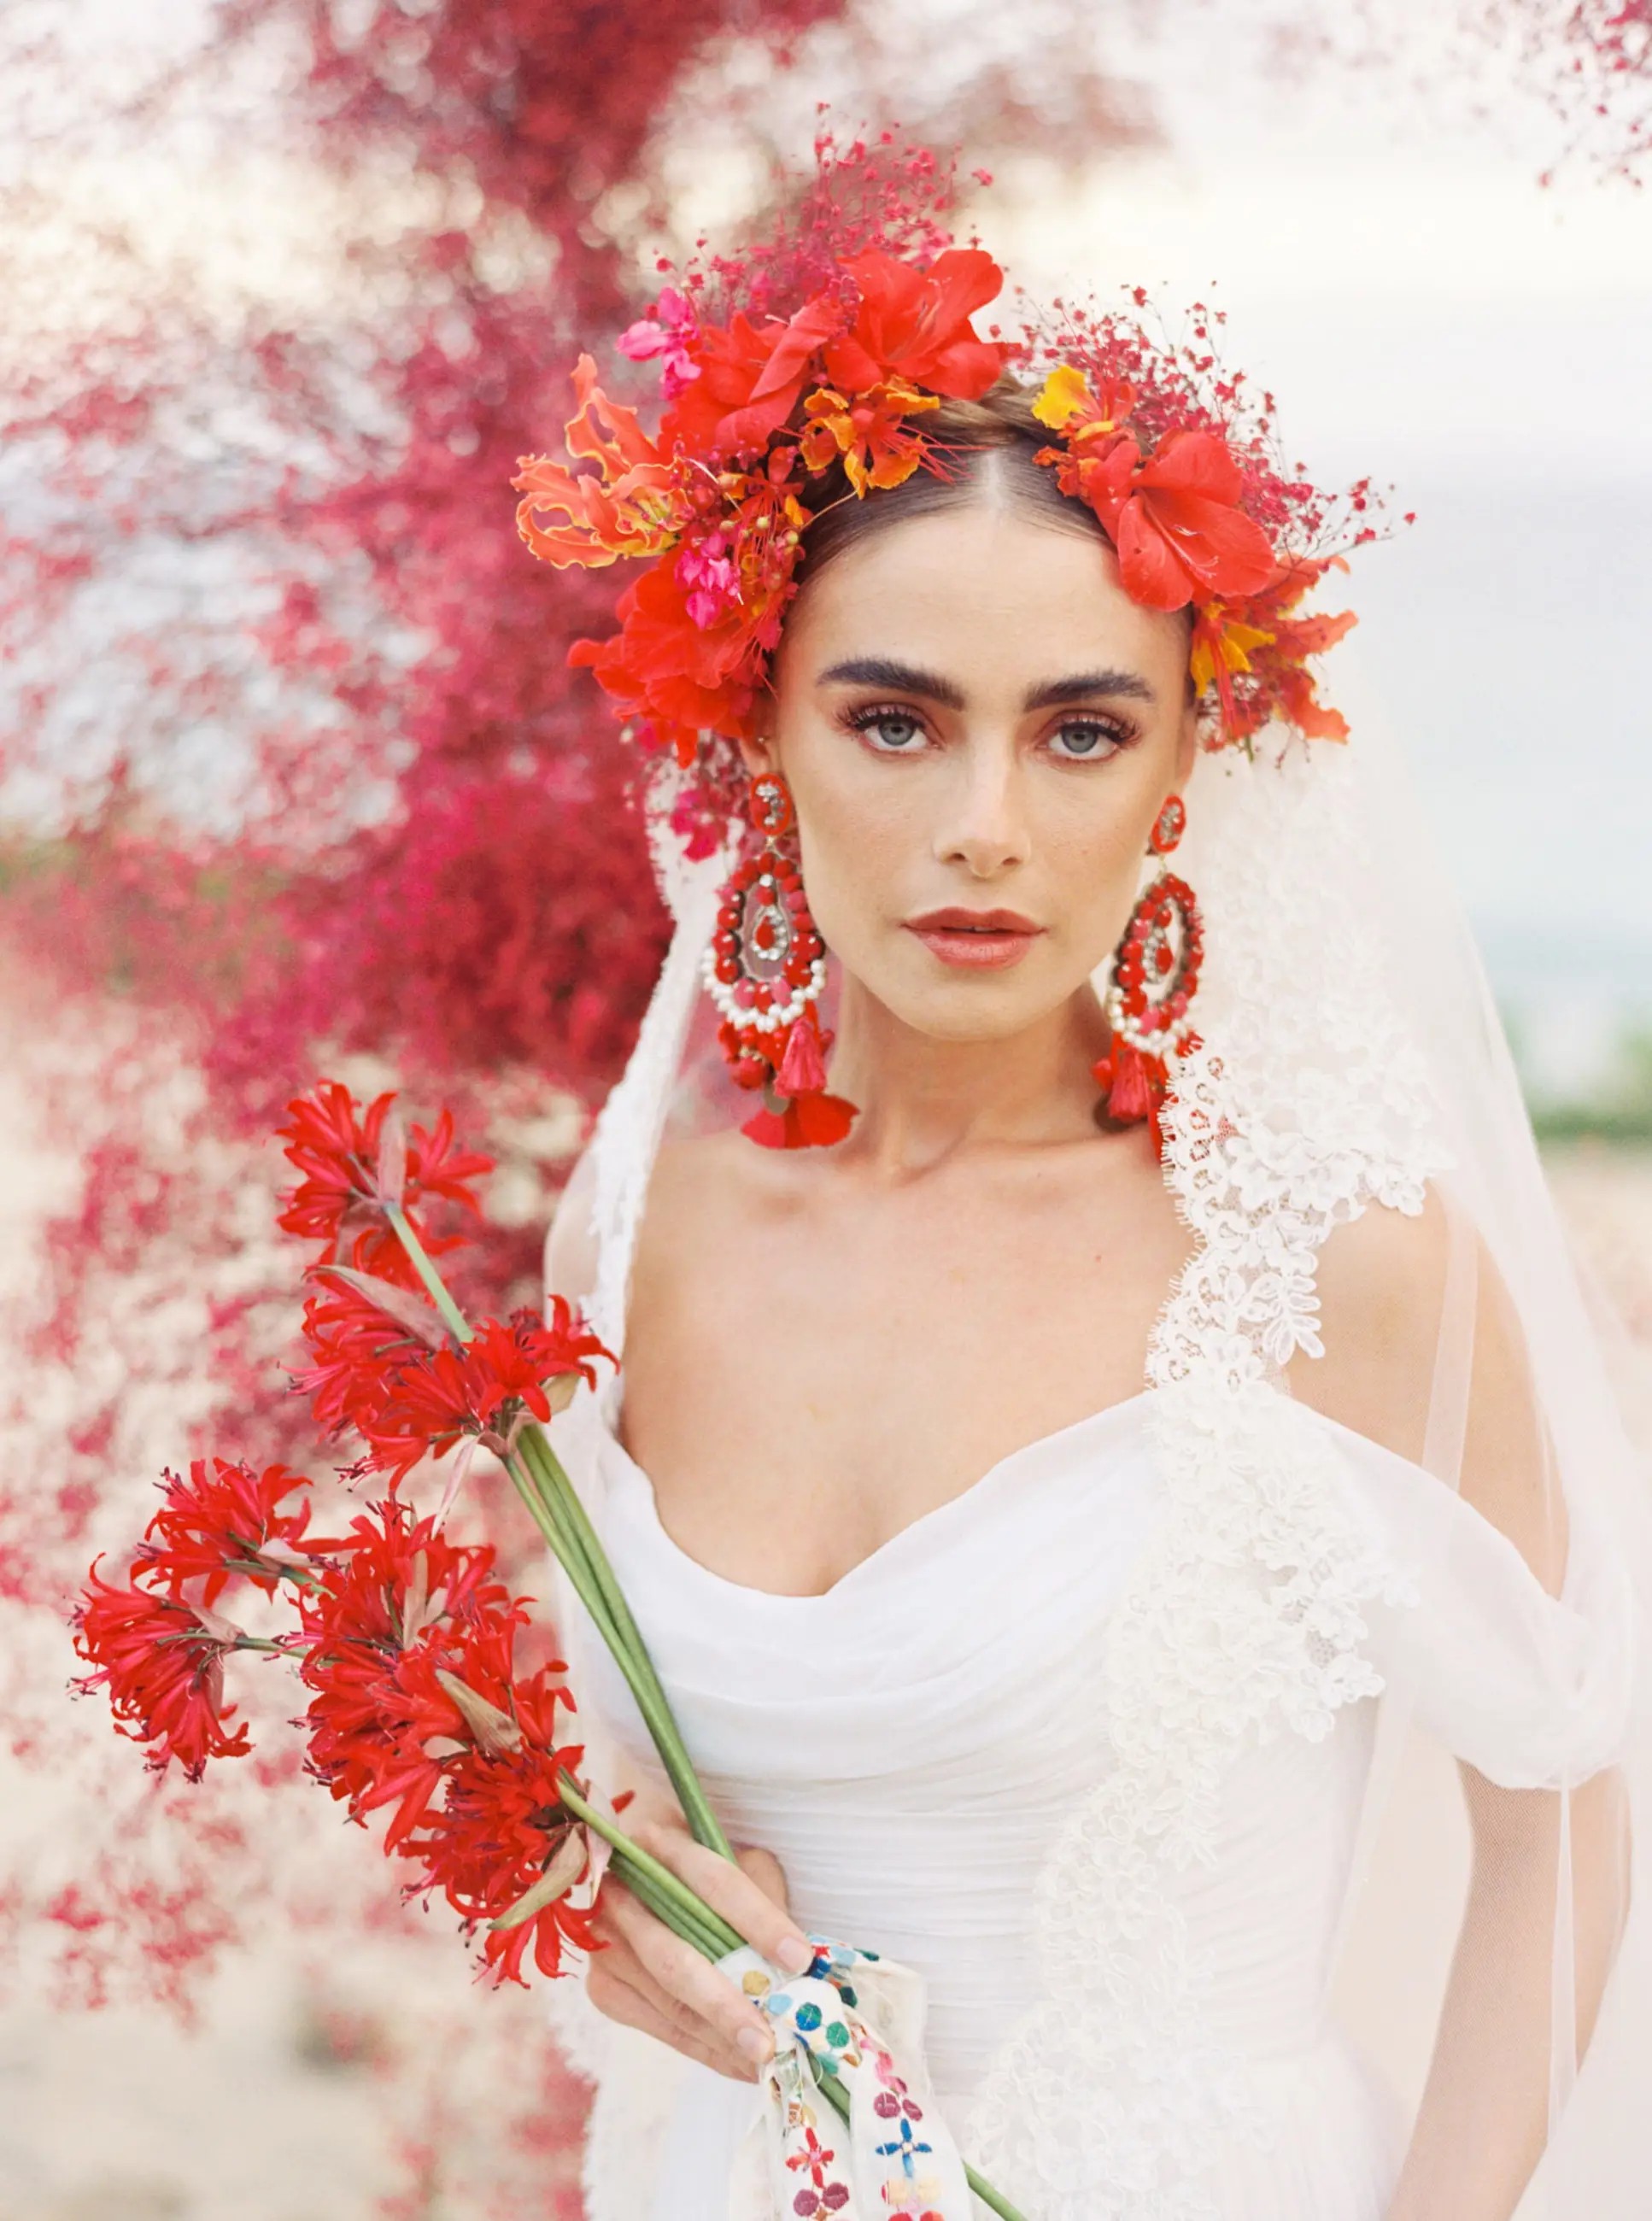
x=1425, y=1352
x=702, y=1182
x=1381, y=1287
x=698, y=1188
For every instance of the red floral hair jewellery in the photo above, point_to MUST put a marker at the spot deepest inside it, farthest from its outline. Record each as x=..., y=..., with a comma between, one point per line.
x=832, y=347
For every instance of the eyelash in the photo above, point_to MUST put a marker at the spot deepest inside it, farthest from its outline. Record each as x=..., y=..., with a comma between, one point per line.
x=1121, y=734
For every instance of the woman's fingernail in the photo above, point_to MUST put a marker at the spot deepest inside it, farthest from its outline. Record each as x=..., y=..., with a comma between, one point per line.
x=793, y=1956
x=755, y=2043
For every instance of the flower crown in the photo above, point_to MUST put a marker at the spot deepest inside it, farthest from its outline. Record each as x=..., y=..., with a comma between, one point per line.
x=829, y=357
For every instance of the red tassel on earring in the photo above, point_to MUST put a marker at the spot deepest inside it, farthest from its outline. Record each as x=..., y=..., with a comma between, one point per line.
x=1132, y=1083
x=802, y=1069
x=811, y=1119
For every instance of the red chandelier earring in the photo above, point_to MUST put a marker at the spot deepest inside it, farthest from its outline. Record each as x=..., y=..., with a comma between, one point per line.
x=765, y=971
x=1155, y=976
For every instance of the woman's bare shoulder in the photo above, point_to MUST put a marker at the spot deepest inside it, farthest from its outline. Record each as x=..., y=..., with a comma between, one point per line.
x=1415, y=1318
x=694, y=1183
x=1381, y=1289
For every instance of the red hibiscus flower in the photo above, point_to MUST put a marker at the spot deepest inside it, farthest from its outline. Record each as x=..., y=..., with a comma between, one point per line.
x=686, y=678
x=1174, y=517
x=161, y=1661
x=749, y=379
x=688, y=657
x=224, y=1522
x=906, y=323
x=914, y=325
x=1180, y=533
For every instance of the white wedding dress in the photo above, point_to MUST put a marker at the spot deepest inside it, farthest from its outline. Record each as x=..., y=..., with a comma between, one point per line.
x=927, y=1768
x=1088, y=1748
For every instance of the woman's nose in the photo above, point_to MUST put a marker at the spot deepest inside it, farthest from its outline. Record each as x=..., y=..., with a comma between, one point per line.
x=985, y=826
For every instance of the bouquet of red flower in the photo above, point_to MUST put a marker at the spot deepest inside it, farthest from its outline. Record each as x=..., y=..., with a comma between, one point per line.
x=405, y=1642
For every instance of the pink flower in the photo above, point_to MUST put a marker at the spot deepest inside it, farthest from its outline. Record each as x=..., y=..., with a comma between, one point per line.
x=665, y=333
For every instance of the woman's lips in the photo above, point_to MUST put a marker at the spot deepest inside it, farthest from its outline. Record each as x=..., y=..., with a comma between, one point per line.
x=984, y=941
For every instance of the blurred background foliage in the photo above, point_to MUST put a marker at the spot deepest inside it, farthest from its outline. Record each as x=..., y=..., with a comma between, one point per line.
x=293, y=779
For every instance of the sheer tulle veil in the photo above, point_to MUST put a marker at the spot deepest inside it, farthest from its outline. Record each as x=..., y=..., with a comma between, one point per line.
x=1593, y=1484
x=1353, y=1064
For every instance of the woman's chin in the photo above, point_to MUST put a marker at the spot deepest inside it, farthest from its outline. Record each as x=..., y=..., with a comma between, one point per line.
x=962, y=1004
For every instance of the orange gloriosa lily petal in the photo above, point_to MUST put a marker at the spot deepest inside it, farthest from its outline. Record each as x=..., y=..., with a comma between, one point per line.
x=634, y=506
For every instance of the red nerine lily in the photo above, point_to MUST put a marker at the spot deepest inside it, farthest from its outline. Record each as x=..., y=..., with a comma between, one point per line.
x=225, y=1521
x=161, y=1661
x=354, y=1162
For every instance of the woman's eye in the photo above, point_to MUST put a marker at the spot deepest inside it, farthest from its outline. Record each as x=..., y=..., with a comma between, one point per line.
x=896, y=732
x=1081, y=742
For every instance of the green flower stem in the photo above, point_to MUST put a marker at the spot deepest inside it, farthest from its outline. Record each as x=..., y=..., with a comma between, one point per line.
x=665, y=1910
x=536, y=1447
x=631, y=1857
x=547, y=1506
x=435, y=1287
x=555, y=1505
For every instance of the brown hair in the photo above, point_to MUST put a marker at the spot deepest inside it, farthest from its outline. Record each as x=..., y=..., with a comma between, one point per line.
x=996, y=439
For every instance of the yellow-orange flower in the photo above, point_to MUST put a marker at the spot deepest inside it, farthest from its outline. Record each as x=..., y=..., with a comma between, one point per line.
x=634, y=504
x=869, y=432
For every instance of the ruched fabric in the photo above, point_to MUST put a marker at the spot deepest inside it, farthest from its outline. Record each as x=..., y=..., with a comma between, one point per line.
x=909, y=1745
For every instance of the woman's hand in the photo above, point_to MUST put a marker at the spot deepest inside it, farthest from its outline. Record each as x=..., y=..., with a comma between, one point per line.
x=649, y=1979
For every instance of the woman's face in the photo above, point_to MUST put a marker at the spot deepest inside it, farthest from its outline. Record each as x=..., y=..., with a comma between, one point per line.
x=978, y=727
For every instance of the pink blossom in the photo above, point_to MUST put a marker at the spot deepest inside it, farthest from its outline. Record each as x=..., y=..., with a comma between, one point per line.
x=665, y=333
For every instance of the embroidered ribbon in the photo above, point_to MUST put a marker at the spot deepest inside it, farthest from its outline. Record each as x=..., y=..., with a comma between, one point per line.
x=894, y=2158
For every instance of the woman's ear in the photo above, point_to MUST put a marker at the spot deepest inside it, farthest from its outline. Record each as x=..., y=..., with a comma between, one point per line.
x=758, y=754
x=1187, y=745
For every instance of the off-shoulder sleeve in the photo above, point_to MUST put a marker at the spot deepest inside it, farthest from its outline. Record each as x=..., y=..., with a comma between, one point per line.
x=1533, y=1690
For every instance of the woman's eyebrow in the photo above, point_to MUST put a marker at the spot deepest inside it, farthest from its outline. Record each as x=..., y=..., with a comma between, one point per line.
x=902, y=678
x=1084, y=684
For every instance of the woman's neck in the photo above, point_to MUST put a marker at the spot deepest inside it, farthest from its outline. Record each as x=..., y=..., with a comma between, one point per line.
x=921, y=1100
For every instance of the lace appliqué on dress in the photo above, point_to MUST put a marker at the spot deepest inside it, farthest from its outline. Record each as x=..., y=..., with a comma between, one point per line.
x=1108, y=2100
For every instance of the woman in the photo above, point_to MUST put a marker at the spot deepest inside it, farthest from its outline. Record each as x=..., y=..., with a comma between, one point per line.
x=1146, y=1348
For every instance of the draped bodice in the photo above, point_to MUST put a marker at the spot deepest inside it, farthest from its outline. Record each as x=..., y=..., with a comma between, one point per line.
x=911, y=1743
x=1032, y=1747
